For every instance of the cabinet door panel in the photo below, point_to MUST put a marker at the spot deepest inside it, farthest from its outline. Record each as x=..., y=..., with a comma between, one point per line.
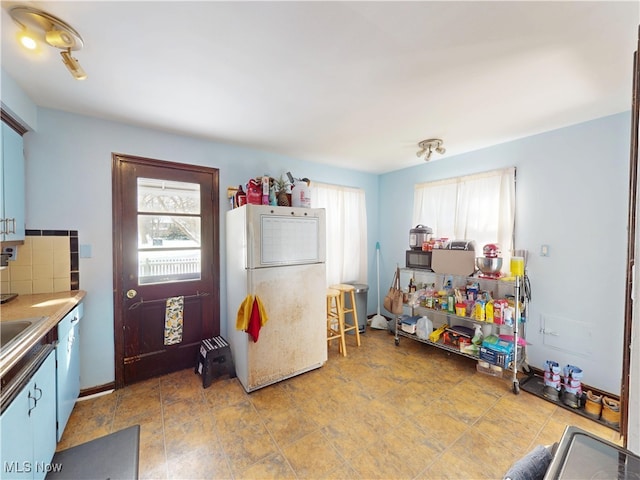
x=68, y=374
x=13, y=188
x=43, y=416
x=16, y=447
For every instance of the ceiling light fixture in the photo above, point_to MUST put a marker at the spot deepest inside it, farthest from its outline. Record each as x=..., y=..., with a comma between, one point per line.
x=54, y=31
x=27, y=39
x=427, y=147
x=73, y=65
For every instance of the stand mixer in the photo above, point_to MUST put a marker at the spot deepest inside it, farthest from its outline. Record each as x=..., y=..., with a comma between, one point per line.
x=491, y=263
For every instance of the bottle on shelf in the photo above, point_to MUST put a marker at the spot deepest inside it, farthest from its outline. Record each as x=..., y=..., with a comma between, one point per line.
x=430, y=293
x=241, y=197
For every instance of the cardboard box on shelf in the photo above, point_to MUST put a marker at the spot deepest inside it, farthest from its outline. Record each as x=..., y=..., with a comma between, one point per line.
x=455, y=262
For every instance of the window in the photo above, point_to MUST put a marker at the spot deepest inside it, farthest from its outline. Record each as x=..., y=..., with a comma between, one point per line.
x=478, y=207
x=169, y=222
x=346, y=231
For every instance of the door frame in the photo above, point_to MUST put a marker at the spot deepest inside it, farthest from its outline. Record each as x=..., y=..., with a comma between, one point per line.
x=117, y=161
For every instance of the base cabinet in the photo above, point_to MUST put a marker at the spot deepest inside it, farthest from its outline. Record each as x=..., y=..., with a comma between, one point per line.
x=68, y=367
x=28, y=426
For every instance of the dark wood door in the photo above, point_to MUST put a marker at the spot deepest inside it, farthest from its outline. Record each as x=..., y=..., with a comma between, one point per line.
x=166, y=265
x=631, y=247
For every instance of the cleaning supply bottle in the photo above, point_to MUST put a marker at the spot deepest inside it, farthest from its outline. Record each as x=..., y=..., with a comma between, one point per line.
x=477, y=336
x=265, y=189
x=430, y=295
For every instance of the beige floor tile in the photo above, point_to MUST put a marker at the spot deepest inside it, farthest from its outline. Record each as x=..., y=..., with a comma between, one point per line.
x=271, y=400
x=194, y=437
x=186, y=411
x=384, y=411
x=286, y=426
x=398, y=454
x=133, y=406
x=236, y=417
x=312, y=456
x=441, y=429
x=224, y=392
x=194, y=465
x=247, y=446
x=473, y=456
x=350, y=436
x=274, y=467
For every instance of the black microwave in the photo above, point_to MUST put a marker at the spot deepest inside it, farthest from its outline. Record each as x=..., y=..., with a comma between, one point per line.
x=418, y=259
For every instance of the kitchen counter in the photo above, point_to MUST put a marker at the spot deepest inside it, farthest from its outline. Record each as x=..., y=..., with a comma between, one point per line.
x=48, y=308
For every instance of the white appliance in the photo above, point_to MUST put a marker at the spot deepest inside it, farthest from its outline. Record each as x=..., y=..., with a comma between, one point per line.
x=278, y=254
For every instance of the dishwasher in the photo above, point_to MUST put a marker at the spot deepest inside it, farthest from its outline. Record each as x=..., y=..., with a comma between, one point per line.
x=68, y=367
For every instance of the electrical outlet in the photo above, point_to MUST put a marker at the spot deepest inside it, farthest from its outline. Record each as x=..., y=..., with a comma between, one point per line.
x=12, y=252
x=544, y=250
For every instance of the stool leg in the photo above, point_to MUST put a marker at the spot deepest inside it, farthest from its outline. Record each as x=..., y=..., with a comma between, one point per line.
x=329, y=321
x=355, y=317
x=335, y=314
x=343, y=343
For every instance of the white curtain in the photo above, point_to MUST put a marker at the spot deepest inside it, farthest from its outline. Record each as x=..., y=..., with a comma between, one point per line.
x=478, y=207
x=346, y=231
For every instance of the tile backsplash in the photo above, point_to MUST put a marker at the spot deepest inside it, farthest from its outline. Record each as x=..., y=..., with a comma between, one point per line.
x=47, y=262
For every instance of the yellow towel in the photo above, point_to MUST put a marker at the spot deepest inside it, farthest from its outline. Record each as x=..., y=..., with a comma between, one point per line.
x=173, y=320
x=244, y=313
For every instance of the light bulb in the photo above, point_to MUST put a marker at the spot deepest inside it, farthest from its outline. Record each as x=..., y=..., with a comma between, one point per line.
x=27, y=40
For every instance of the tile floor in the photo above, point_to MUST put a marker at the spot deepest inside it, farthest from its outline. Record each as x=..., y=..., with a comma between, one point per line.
x=411, y=411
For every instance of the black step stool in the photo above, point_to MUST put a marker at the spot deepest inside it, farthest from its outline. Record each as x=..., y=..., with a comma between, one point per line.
x=214, y=360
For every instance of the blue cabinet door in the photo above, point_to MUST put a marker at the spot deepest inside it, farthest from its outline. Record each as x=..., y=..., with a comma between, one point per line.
x=43, y=416
x=16, y=446
x=12, y=210
x=68, y=370
x=28, y=427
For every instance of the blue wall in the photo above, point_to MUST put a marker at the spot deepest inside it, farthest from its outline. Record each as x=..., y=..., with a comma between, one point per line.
x=69, y=186
x=571, y=194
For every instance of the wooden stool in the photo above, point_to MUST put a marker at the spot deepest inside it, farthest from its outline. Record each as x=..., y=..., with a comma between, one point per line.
x=335, y=320
x=214, y=360
x=345, y=288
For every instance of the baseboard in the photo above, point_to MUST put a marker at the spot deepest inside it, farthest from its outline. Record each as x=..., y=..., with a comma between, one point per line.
x=98, y=389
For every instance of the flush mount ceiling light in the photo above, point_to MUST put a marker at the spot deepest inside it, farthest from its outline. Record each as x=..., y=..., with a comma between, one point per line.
x=427, y=147
x=37, y=25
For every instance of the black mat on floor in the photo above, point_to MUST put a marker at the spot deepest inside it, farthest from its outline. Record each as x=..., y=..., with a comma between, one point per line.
x=114, y=456
x=535, y=386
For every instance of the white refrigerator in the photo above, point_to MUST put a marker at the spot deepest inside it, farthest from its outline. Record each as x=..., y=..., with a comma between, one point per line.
x=277, y=254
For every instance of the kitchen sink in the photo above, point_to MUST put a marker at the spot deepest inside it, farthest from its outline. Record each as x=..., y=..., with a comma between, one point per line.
x=13, y=328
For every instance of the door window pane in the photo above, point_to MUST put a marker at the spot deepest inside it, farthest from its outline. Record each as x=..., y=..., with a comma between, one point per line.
x=169, y=227
x=168, y=266
x=168, y=196
x=161, y=231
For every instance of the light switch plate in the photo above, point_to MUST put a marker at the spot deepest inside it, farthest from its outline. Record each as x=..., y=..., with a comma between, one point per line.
x=85, y=251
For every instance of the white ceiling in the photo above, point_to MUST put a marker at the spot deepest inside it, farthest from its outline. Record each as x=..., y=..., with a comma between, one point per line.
x=353, y=84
